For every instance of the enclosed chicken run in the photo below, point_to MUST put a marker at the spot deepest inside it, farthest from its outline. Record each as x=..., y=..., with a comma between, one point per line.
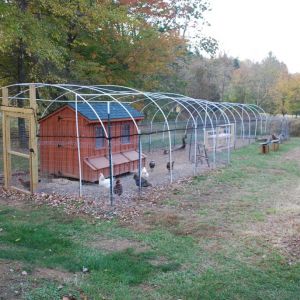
x=81, y=132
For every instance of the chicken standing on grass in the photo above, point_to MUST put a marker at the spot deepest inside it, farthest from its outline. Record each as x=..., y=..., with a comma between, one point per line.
x=118, y=188
x=104, y=182
x=144, y=182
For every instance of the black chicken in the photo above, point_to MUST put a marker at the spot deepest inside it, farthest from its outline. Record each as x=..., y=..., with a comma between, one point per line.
x=169, y=166
x=118, y=188
x=26, y=184
x=184, y=142
x=152, y=165
x=144, y=182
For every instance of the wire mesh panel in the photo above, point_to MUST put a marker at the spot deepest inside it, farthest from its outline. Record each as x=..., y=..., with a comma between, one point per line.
x=219, y=142
x=20, y=176
x=18, y=150
x=1, y=152
x=92, y=136
x=19, y=134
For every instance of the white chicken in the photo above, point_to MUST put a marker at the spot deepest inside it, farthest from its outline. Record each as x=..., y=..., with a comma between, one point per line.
x=104, y=182
x=144, y=173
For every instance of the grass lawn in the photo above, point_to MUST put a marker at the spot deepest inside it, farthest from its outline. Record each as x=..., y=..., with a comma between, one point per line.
x=231, y=234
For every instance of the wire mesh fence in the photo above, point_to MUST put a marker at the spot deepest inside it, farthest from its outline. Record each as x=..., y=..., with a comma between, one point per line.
x=1, y=152
x=90, y=137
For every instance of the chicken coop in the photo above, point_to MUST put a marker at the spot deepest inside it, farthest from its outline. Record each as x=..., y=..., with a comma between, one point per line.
x=76, y=133
x=58, y=150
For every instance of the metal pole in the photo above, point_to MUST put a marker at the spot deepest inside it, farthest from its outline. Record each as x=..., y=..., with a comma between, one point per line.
x=249, y=136
x=215, y=146
x=195, y=149
x=174, y=136
x=140, y=162
x=150, y=136
x=111, y=167
x=78, y=147
x=170, y=157
x=205, y=116
x=228, y=143
x=243, y=124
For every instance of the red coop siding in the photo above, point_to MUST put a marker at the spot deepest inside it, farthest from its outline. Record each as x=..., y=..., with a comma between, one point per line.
x=58, y=146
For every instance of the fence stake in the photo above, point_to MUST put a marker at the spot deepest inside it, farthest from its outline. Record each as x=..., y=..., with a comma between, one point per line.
x=111, y=195
x=78, y=148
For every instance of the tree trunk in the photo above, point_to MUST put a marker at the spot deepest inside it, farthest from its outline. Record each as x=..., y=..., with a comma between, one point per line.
x=21, y=77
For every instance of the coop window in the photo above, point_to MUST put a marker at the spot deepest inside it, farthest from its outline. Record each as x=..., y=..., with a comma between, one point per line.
x=100, y=137
x=125, y=139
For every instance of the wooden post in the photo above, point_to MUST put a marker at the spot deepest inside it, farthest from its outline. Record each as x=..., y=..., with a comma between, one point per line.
x=6, y=167
x=33, y=140
x=33, y=155
x=32, y=97
x=5, y=96
x=6, y=140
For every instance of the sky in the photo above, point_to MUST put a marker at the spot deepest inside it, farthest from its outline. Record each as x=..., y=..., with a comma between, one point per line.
x=250, y=29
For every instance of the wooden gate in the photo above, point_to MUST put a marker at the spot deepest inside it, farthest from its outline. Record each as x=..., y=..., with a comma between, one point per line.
x=14, y=155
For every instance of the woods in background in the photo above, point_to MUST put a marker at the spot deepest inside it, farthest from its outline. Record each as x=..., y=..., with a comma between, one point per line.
x=124, y=42
x=266, y=83
x=149, y=45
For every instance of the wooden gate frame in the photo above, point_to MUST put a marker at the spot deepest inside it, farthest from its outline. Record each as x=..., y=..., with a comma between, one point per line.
x=30, y=115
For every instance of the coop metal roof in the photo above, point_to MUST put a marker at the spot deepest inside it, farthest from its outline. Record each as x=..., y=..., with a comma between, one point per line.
x=117, y=111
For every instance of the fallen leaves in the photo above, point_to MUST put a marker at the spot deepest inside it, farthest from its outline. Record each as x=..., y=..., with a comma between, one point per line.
x=126, y=208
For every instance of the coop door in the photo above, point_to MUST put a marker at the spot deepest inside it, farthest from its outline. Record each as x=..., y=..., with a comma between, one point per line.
x=20, y=159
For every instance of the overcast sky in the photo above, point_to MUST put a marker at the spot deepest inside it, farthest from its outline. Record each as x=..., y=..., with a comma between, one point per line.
x=252, y=28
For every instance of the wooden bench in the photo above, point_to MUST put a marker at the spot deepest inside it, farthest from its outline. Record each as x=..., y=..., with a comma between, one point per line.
x=275, y=145
x=265, y=147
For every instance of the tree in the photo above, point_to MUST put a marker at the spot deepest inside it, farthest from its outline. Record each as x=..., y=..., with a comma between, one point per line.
x=209, y=78
x=38, y=38
x=256, y=82
x=288, y=95
x=127, y=42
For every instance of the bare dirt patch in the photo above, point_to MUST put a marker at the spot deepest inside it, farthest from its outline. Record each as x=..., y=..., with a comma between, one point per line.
x=53, y=275
x=112, y=245
x=293, y=155
x=12, y=282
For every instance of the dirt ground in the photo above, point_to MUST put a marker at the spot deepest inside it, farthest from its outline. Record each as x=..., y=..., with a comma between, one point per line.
x=159, y=177
x=14, y=280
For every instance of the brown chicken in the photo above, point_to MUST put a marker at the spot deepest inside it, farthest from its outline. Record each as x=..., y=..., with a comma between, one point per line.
x=118, y=188
x=169, y=166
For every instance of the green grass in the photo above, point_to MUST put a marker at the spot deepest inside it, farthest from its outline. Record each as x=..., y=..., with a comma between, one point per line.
x=214, y=261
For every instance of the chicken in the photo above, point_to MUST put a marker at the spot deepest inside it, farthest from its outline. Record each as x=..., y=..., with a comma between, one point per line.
x=144, y=173
x=26, y=184
x=104, y=182
x=118, y=188
x=151, y=165
x=183, y=142
x=144, y=182
x=170, y=165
